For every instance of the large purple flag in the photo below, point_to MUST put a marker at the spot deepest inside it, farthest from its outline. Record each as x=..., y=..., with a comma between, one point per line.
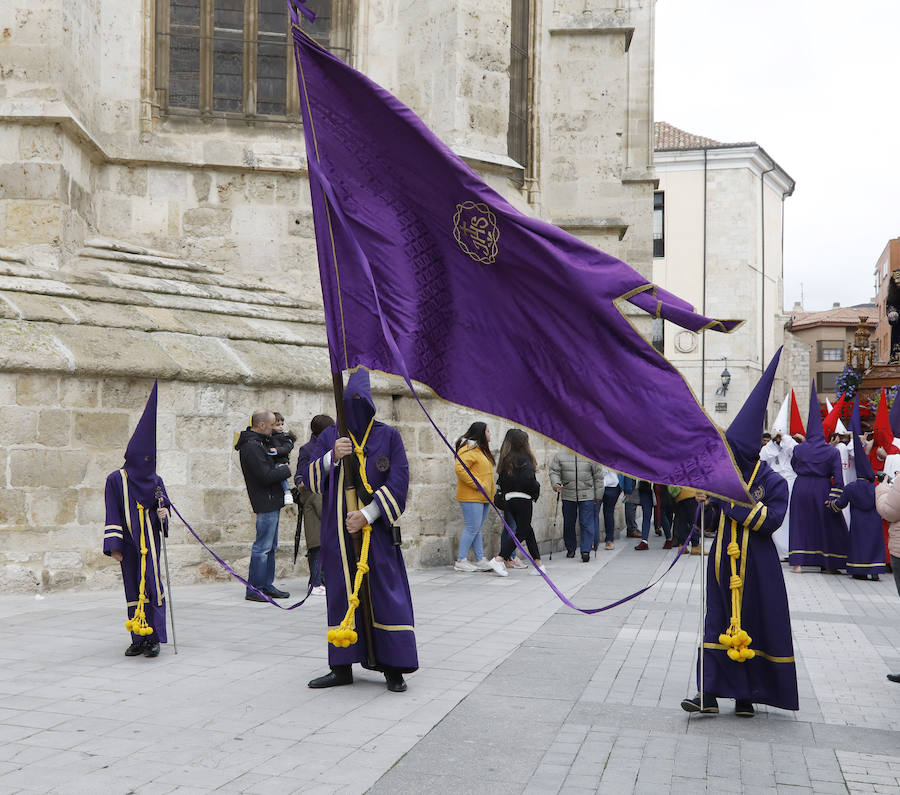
x=430, y=274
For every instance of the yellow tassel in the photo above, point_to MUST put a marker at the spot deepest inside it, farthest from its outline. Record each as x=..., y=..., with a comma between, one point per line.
x=733, y=550
x=735, y=582
x=138, y=622
x=345, y=634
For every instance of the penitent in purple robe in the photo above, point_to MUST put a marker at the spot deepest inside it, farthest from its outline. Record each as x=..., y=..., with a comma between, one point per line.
x=123, y=532
x=387, y=474
x=818, y=535
x=771, y=676
x=866, y=548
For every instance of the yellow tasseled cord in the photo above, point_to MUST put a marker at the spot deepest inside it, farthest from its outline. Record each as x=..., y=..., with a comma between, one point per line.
x=138, y=624
x=735, y=639
x=345, y=634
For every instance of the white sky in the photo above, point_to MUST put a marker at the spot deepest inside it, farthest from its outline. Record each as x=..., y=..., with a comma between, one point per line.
x=815, y=83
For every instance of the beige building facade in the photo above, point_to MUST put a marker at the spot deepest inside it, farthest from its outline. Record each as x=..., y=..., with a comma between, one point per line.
x=718, y=243
x=829, y=334
x=155, y=223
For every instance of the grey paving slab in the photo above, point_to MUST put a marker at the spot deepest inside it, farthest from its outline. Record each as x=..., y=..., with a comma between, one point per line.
x=516, y=694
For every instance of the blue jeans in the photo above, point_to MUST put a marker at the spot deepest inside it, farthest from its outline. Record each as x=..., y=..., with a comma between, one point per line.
x=610, y=498
x=474, y=514
x=646, y=514
x=584, y=509
x=262, y=553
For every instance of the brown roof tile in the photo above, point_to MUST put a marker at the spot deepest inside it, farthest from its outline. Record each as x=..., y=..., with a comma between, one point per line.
x=667, y=137
x=837, y=316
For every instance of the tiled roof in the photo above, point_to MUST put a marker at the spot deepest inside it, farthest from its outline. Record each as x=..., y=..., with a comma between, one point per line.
x=837, y=316
x=667, y=137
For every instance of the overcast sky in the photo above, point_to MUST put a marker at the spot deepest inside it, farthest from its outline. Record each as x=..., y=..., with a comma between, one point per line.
x=815, y=84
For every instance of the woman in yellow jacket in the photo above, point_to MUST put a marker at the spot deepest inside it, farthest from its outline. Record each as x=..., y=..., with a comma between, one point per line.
x=473, y=447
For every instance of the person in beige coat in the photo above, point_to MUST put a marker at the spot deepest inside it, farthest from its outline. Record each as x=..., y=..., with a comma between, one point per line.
x=887, y=503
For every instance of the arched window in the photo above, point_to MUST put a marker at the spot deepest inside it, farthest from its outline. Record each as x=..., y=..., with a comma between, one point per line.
x=234, y=58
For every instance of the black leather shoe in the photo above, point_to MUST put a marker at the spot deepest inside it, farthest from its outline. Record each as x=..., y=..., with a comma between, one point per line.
x=395, y=682
x=337, y=676
x=254, y=597
x=585, y=557
x=710, y=705
x=276, y=593
x=894, y=677
x=570, y=554
x=135, y=649
x=744, y=709
x=151, y=650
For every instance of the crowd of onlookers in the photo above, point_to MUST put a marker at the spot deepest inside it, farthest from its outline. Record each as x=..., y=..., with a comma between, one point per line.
x=584, y=491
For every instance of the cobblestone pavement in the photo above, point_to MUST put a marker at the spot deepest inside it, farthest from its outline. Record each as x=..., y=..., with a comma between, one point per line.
x=516, y=693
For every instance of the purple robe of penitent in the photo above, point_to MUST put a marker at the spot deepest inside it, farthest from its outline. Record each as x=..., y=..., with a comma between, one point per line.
x=866, y=547
x=386, y=481
x=818, y=535
x=123, y=532
x=771, y=676
x=132, y=498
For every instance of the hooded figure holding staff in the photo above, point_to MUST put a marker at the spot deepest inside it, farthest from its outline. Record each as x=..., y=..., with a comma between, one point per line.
x=136, y=505
x=370, y=615
x=747, y=650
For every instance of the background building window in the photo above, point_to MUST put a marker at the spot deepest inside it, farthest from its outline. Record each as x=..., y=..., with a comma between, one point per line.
x=520, y=33
x=658, y=334
x=659, y=226
x=825, y=384
x=235, y=57
x=830, y=350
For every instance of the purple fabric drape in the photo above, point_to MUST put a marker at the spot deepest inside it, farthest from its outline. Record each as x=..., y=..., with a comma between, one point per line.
x=430, y=274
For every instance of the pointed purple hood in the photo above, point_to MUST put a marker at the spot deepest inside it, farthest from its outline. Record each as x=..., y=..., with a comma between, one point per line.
x=894, y=416
x=814, y=430
x=140, y=455
x=855, y=421
x=358, y=403
x=744, y=435
x=861, y=459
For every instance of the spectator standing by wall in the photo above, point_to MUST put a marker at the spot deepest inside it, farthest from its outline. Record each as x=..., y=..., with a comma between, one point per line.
x=473, y=449
x=263, y=478
x=580, y=482
x=310, y=513
x=518, y=483
x=612, y=488
x=887, y=502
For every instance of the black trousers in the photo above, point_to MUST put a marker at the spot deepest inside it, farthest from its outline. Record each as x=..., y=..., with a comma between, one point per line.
x=521, y=511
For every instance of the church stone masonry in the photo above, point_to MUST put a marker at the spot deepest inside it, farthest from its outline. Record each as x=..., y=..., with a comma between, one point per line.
x=138, y=244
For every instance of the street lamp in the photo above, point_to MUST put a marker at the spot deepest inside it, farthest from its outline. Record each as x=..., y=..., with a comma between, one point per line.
x=726, y=380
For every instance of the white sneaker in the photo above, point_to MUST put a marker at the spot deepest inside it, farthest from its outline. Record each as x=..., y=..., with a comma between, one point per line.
x=318, y=590
x=499, y=567
x=483, y=565
x=537, y=570
x=288, y=499
x=464, y=565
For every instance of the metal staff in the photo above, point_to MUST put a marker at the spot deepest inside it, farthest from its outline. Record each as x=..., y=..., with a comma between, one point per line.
x=165, y=527
x=702, y=596
x=555, y=521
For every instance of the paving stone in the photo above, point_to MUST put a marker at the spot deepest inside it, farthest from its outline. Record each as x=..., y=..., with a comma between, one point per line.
x=516, y=694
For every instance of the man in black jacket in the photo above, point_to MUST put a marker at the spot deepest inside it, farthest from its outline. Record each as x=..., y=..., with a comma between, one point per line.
x=263, y=477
